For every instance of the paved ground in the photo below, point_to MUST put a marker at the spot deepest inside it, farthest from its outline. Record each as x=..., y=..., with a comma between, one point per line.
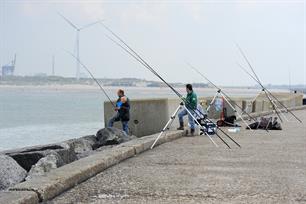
x=269, y=168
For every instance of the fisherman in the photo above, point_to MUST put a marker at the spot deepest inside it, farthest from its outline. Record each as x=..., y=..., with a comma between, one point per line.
x=122, y=111
x=191, y=105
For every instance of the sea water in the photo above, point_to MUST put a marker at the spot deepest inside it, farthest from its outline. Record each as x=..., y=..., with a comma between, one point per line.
x=33, y=116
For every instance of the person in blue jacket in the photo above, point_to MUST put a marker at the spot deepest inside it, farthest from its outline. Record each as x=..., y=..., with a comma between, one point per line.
x=122, y=111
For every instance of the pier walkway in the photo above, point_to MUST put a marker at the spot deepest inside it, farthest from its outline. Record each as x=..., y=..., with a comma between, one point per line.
x=269, y=168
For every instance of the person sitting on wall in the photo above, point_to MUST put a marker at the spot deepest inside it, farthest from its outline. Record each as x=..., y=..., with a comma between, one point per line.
x=191, y=105
x=122, y=111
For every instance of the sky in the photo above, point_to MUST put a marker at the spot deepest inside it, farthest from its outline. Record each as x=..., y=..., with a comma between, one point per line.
x=166, y=33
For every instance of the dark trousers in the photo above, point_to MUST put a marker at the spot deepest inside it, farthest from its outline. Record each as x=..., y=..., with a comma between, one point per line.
x=116, y=118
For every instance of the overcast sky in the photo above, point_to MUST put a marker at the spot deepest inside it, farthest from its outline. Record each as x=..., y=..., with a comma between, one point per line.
x=166, y=33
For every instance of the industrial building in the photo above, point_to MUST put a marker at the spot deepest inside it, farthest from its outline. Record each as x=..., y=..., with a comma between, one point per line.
x=8, y=70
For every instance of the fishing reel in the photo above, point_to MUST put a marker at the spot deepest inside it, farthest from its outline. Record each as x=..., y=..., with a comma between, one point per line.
x=208, y=127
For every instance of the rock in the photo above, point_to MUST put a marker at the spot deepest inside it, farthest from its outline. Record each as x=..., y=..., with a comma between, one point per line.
x=27, y=157
x=103, y=148
x=67, y=153
x=45, y=164
x=11, y=172
x=85, y=154
x=83, y=144
x=110, y=136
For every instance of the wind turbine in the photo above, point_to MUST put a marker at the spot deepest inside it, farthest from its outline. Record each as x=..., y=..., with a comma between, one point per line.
x=78, y=29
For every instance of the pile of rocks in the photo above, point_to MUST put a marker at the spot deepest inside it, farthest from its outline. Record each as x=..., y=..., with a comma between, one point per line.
x=27, y=163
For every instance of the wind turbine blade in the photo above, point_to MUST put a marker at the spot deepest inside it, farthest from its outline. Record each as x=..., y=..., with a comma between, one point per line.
x=75, y=45
x=69, y=22
x=90, y=24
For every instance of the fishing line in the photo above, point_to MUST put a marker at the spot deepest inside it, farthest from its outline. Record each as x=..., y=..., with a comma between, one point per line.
x=92, y=76
x=137, y=57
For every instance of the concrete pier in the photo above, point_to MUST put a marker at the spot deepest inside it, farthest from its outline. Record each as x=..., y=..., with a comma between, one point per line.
x=186, y=170
x=269, y=168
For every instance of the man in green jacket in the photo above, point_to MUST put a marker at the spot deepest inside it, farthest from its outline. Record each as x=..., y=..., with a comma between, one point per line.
x=191, y=105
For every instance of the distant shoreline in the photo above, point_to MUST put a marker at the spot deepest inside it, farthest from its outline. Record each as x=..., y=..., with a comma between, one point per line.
x=233, y=91
x=70, y=83
x=95, y=87
x=49, y=87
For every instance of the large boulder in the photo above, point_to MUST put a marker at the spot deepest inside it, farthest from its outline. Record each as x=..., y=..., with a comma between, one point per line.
x=67, y=153
x=10, y=172
x=45, y=164
x=29, y=156
x=83, y=144
x=110, y=136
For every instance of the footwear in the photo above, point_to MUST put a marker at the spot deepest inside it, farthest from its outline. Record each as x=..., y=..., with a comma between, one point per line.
x=181, y=126
x=192, y=132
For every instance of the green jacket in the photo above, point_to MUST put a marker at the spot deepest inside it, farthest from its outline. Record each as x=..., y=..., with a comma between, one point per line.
x=192, y=101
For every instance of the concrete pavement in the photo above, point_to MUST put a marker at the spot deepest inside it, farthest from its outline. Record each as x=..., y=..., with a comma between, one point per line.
x=269, y=168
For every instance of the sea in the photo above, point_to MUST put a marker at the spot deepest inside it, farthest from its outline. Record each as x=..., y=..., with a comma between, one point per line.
x=41, y=115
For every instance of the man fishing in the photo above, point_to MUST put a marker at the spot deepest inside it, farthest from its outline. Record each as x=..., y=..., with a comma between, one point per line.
x=122, y=112
x=191, y=105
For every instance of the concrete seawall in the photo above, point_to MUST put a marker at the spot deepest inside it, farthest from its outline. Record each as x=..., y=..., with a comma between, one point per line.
x=149, y=116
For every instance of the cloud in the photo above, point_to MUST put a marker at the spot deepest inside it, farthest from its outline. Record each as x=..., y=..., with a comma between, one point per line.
x=32, y=8
x=85, y=10
x=155, y=13
x=195, y=10
x=91, y=10
x=144, y=12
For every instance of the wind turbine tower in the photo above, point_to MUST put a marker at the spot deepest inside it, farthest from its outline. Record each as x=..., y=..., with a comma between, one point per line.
x=53, y=65
x=78, y=29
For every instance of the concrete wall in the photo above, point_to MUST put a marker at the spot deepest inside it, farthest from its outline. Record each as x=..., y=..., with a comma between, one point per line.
x=288, y=99
x=150, y=116
x=147, y=116
x=213, y=113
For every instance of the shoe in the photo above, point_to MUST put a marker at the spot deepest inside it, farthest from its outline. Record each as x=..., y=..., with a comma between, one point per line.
x=192, y=132
x=181, y=126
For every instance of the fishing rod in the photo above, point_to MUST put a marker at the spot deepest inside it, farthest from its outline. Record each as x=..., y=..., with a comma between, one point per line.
x=259, y=82
x=246, y=59
x=92, y=76
x=256, y=78
x=263, y=89
x=220, y=90
x=136, y=56
x=144, y=64
x=175, y=91
x=287, y=110
x=228, y=99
